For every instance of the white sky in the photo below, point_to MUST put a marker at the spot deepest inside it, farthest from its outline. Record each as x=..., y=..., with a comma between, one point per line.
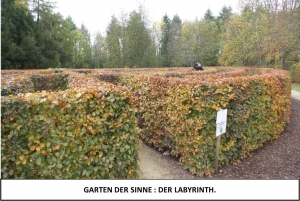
x=96, y=14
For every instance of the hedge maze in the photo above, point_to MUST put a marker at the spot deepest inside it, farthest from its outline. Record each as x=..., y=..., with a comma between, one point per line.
x=89, y=123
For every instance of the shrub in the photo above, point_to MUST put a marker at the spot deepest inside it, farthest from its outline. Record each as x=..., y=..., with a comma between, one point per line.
x=86, y=132
x=90, y=130
x=16, y=85
x=179, y=115
x=110, y=77
x=295, y=72
x=33, y=82
x=53, y=82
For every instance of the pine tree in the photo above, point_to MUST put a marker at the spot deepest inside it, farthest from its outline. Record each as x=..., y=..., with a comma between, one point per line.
x=209, y=15
x=138, y=41
x=18, y=48
x=165, y=40
x=113, y=40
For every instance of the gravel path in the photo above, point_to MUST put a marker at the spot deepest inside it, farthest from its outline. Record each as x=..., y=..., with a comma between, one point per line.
x=278, y=159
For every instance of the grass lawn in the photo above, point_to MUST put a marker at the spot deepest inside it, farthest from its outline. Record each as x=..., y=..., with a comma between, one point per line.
x=296, y=87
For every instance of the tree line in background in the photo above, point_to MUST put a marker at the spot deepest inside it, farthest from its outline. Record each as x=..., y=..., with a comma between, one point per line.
x=265, y=33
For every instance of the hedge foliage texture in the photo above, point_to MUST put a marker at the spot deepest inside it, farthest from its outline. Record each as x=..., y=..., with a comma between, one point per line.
x=83, y=132
x=177, y=112
x=90, y=129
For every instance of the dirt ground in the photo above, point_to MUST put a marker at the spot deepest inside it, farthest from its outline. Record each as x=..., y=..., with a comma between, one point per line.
x=278, y=159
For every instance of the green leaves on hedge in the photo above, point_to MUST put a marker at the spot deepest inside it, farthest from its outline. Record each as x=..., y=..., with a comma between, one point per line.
x=177, y=114
x=90, y=129
x=82, y=132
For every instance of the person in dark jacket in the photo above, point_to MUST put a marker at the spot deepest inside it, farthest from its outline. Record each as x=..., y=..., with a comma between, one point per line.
x=198, y=66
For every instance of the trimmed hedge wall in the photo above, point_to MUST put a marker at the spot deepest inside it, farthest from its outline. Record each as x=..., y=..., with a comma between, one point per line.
x=29, y=82
x=178, y=115
x=90, y=130
x=86, y=132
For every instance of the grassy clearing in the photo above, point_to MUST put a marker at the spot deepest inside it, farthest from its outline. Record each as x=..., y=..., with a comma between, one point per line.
x=296, y=87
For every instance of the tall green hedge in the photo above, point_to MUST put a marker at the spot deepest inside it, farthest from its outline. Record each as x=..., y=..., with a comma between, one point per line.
x=86, y=132
x=179, y=114
x=90, y=129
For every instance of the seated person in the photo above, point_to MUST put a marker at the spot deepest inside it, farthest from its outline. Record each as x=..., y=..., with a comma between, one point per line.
x=198, y=66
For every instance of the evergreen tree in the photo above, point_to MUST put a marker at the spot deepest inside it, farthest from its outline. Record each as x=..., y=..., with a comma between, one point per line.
x=99, y=54
x=113, y=42
x=67, y=34
x=225, y=13
x=70, y=20
x=86, y=47
x=165, y=40
x=224, y=17
x=173, y=42
x=138, y=41
x=18, y=44
x=209, y=15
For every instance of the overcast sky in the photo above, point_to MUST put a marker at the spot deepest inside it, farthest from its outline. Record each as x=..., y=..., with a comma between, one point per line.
x=96, y=14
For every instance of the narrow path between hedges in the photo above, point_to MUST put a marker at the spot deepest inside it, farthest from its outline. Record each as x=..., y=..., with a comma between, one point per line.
x=278, y=159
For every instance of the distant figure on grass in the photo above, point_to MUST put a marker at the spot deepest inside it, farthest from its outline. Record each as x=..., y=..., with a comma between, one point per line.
x=198, y=66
